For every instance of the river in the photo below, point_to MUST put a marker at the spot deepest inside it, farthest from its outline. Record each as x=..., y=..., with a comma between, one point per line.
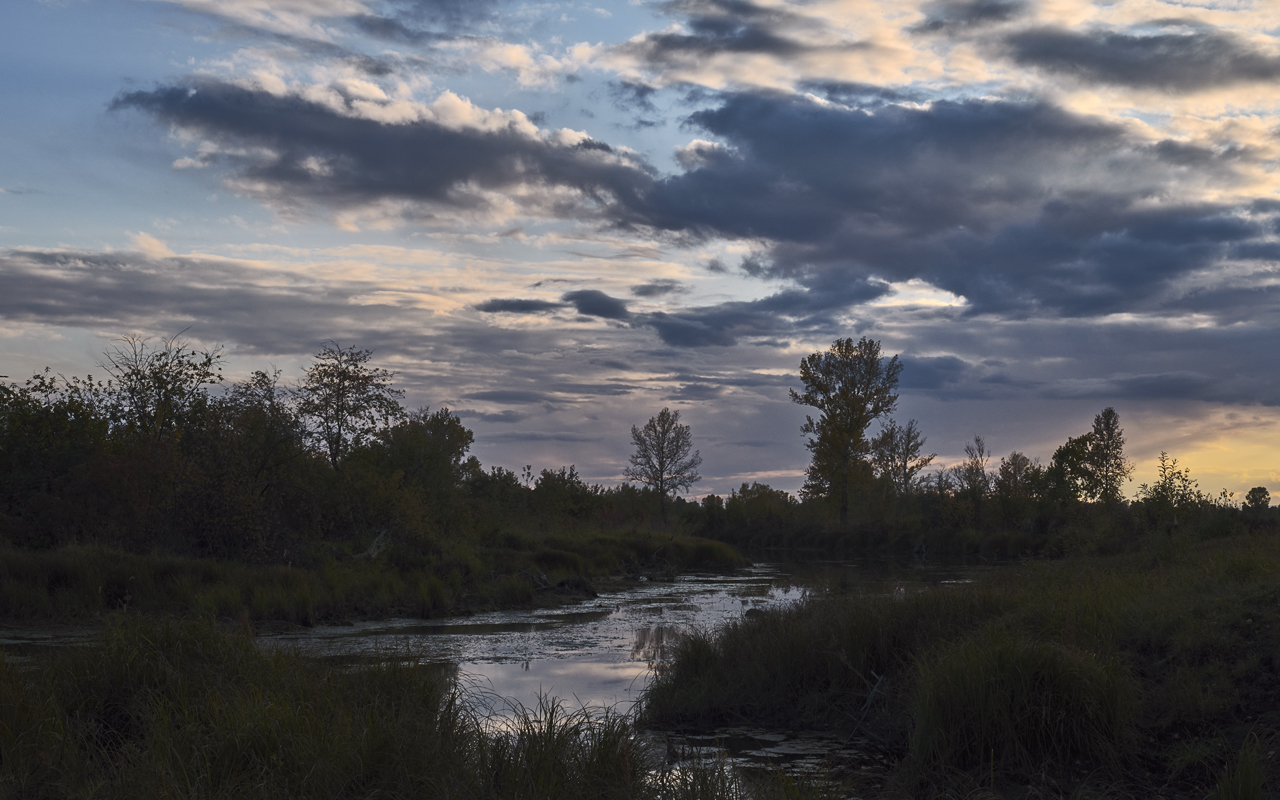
x=599, y=654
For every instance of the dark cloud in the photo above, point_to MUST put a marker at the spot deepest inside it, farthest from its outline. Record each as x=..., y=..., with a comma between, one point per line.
x=628, y=95
x=782, y=313
x=860, y=94
x=696, y=392
x=1175, y=57
x=954, y=16
x=540, y=436
x=1020, y=207
x=729, y=26
x=610, y=364
x=500, y=417
x=657, y=288
x=931, y=373
x=259, y=310
x=516, y=305
x=344, y=161
x=514, y=396
x=595, y=303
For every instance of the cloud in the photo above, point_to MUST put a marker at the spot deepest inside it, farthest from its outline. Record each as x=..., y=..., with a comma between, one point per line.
x=1168, y=55
x=514, y=305
x=735, y=31
x=502, y=417
x=657, y=288
x=595, y=303
x=150, y=246
x=1015, y=206
x=346, y=152
x=954, y=16
x=513, y=396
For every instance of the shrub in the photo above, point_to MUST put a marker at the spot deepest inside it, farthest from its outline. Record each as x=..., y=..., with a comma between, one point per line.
x=994, y=697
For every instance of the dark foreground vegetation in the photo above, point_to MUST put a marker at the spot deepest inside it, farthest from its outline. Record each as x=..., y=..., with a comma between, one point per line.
x=1150, y=673
x=166, y=488
x=166, y=710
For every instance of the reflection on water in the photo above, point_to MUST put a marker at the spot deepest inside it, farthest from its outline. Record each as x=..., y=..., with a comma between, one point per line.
x=598, y=654
x=652, y=643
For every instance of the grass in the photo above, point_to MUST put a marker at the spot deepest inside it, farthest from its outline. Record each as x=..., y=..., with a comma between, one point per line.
x=412, y=578
x=1125, y=675
x=164, y=709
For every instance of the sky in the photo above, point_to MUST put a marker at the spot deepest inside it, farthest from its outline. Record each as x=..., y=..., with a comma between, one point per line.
x=557, y=218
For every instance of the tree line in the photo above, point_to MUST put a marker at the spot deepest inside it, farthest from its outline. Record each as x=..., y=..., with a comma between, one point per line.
x=163, y=452
x=877, y=490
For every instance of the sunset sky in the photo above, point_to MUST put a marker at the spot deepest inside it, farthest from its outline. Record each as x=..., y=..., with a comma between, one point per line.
x=556, y=218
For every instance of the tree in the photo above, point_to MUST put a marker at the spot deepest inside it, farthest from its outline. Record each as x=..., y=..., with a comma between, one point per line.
x=852, y=386
x=1257, y=501
x=662, y=459
x=1106, y=467
x=157, y=392
x=896, y=455
x=347, y=400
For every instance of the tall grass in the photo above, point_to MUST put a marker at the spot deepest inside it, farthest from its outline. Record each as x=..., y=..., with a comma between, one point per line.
x=184, y=709
x=1043, y=673
x=410, y=579
x=1000, y=699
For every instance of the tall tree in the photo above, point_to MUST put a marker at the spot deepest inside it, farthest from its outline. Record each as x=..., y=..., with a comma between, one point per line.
x=1108, y=469
x=662, y=458
x=896, y=455
x=347, y=400
x=852, y=386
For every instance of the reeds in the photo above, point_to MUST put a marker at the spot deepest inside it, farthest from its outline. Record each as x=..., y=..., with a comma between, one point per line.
x=77, y=582
x=1042, y=673
x=171, y=709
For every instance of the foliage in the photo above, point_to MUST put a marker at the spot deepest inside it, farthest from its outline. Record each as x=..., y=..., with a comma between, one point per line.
x=1048, y=678
x=1108, y=469
x=347, y=400
x=896, y=455
x=158, y=392
x=165, y=709
x=851, y=386
x=662, y=459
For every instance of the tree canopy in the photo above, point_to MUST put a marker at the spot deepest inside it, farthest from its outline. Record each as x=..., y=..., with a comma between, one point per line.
x=661, y=459
x=347, y=400
x=851, y=386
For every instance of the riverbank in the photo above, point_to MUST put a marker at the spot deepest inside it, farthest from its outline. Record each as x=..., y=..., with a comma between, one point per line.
x=164, y=708
x=1151, y=673
x=330, y=584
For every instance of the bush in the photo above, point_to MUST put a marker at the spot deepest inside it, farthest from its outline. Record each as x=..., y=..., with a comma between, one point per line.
x=997, y=698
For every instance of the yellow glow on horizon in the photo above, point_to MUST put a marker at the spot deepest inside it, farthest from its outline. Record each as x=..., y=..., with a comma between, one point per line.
x=1237, y=460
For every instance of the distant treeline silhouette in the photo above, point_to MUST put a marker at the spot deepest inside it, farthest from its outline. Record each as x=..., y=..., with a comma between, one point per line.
x=163, y=454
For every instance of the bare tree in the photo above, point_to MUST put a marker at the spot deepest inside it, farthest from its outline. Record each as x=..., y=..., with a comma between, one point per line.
x=896, y=455
x=852, y=386
x=347, y=400
x=662, y=458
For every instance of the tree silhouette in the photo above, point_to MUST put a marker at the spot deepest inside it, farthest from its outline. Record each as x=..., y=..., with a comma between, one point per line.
x=662, y=459
x=346, y=399
x=852, y=386
x=896, y=455
x=1107, y=468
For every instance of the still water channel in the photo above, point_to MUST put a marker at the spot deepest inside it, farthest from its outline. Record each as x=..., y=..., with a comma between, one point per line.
x=599, y=654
